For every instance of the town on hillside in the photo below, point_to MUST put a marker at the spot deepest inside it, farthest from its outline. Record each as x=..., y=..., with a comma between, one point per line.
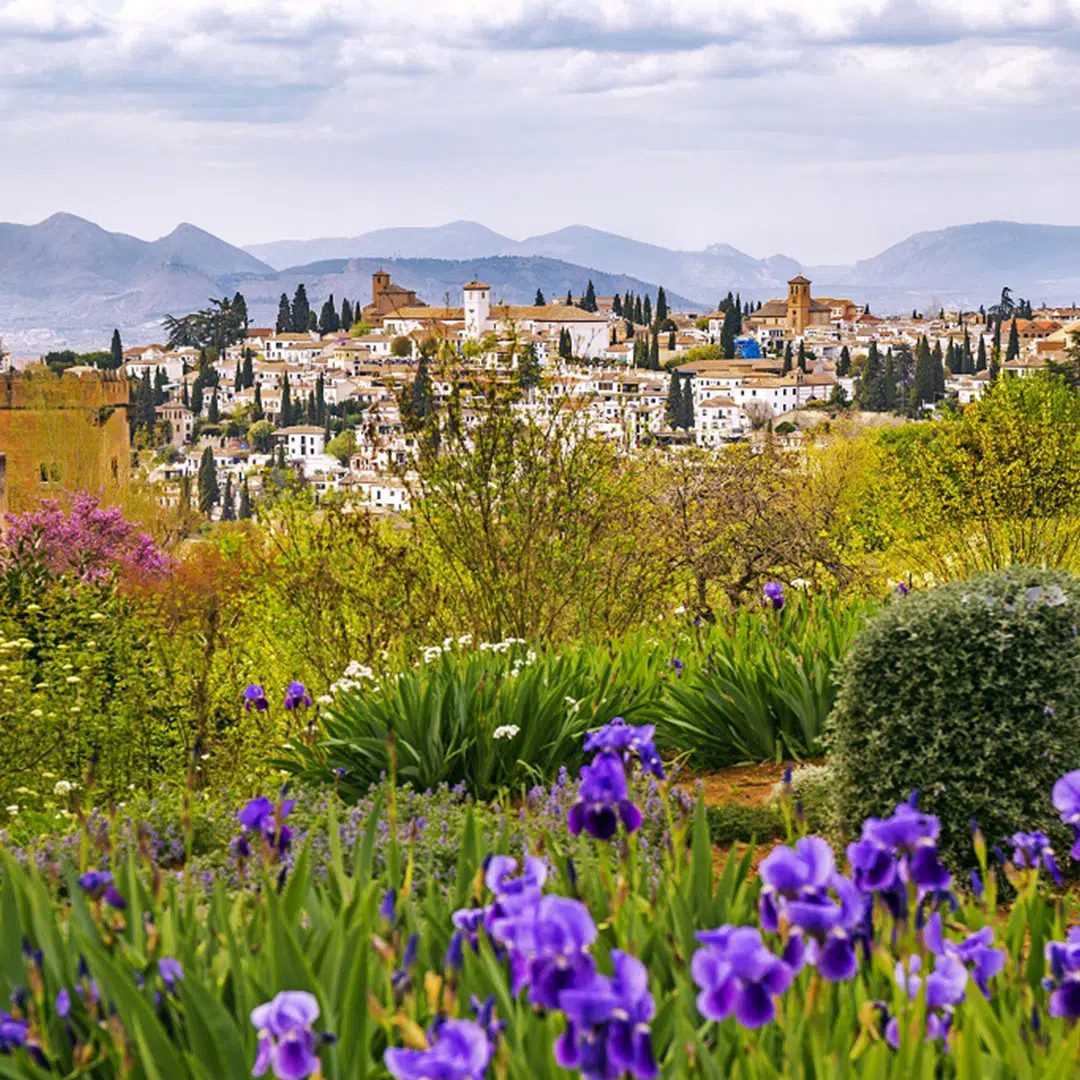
x=339, y=399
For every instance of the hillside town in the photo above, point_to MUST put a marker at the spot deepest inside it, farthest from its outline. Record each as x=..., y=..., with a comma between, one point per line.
x=343, y=408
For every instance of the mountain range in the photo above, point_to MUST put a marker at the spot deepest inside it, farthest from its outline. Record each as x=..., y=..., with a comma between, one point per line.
x=67, y=281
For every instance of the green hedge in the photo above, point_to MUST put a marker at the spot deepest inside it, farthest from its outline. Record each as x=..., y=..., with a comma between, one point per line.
x=969, y=693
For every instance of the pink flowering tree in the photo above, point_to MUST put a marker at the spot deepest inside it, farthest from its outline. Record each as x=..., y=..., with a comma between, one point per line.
x=87, y=540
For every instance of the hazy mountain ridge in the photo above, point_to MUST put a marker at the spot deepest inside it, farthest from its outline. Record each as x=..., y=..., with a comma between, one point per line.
x=67, y=280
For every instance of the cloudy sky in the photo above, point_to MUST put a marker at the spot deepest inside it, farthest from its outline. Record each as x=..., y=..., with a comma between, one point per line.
x=824, y=129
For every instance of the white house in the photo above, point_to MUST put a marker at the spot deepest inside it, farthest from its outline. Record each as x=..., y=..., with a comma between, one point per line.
x=302, y=441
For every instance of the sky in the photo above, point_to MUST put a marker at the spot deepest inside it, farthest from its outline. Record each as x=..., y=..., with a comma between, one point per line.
x=821, y=129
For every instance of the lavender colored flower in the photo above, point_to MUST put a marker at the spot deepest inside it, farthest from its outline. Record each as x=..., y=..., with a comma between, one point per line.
x=774, y=595
x=607, y=1033
x=297, y=697
x=624, y=739
x=899, y=849
x=548, y=944
x=171, y=973
x=975, y=952
x=13, y=1033
x=603, y=800
x=1063, y=958
x=389, y=905
x=1066, y=796
x=945, y=988
x=1033, y=851
x=738, y=975
x=286, y=1041
x=263, y=817
x=63, y=1004
x=460, y=1050
x=255, y=698
x=98, y=884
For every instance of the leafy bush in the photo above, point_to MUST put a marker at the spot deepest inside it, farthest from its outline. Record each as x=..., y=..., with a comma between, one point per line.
x=765, y=687
x=811, y=793
x=969, y=693
x=498, y=718
x=733, y=822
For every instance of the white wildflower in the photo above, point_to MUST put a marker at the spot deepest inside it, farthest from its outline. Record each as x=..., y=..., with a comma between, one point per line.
x=800, y=583
x=62, y=787
x=507, y=731
x=325, y=699
x=680, y=610
x=13, y=810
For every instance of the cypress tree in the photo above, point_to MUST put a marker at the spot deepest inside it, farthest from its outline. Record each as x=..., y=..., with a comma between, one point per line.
x=420, y=394
x=639, y=311
x=616, y=303
x=727, y=334
x=661, y=306
x=212, y=413
x=320, y=400
x=248, y=374
x=889, y=384
x=939, y=370
x=654, y=353
x=924, y=374
x=538, y=299
x=184, y=399
x=116, y=351
x=646, y=312
x=238, y=313
x=569, y=301
x=238, y=378
x=802, y=355
x=788, y=355
x=843, y=364
x=209, y=493
x=313, y=322
x=688, y=404
x=197, y=397
x=328, y=317
x=980, y=363
x=671, y=341
x=309, y=409
x=1013, y=352
x=257, y=411
x=280, y=463
x=628, y=306
x=673, y=409
x=301, y=311
x=285, y=413
x=160, y=394
x=588, y=302
x=228, y=503
x=641, y=353
x=346, y=315
x=528, y=369
x=630, y=331
x=144, y=404
x=870, y=386
x=950, y=358
x=284, y=316
x=245, y=502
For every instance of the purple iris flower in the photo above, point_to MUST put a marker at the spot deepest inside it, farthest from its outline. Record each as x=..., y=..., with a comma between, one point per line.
x=624, y=739
x=63, y=1004
x=603, y=800
x=738, y=974
x=607, y=1031
x=548, y=946
x=297, y=697
x=945, y=987
x=902, y=848
x=262, y=816
x=974, y=952
x=388, y=905
x=171, y=973
x=1063, y=958
x=774, y=595
x=255, y=698
x=1067, y=804
x=484, y=1011
x=98, y=884
x=13, y=1033
x=513, y=894
x=460, y=1050
x=788, y=873
x=286, y=1041
x=1033, y=850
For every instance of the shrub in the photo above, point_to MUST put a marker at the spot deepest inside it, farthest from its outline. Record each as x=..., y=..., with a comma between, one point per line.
x=811, y=791
x=494, y=719
x=969, y=693
x=732, y=822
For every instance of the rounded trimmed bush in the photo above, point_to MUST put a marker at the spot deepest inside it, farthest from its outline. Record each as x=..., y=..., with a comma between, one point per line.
x=970, y=694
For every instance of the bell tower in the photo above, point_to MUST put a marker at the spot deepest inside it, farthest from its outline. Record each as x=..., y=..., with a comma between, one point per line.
x=380, y=281
x=798, y=304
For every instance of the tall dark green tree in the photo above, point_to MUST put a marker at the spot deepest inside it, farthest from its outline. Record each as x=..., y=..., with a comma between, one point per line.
x=728, y=333
x=646, y=311
x=116, y=351
x=671, y=341
x=1013, y=351
x=673, y=408
x=320, y=400
x=239, y=311
x=257, y=411
x=538, y=299
x=616, y=303
x=639, y=311
x=213, y=415
x=654, y=353
x=843, y=363
x=939, y=370
x=661, y=307
x=980, y=363
x=284, y=316
x=528, y=369
x=588, y=301
x=569, y=301
x=209, y=492
x=346, y=315
x=789, y=356
x=329, y=323
x=687, y=404
x=228, y=501
x=160, y=393
x=924, y=375
x=247, y=374
x=301, y=311
x=870, y=384
x=566, y=344
x=801, y=356
x=185, y=400
x=245, y=502
x=238, y=378
x=285, y=413
x=890, y=384
x=641, y=352
x=421, y=398
x=144, y=404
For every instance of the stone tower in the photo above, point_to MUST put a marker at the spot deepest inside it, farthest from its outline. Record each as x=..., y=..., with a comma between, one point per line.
x=798, y=304
x=380, y=280
x=477, y=308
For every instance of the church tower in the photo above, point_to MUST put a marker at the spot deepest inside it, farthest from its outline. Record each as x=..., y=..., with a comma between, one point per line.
x=798, y=304
x=477, y=308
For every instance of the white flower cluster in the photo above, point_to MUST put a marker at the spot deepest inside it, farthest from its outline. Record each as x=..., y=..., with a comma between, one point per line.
x=800, y=583
x=350, y=680
x=501, y=646
x=507, y=731
x=62, y=788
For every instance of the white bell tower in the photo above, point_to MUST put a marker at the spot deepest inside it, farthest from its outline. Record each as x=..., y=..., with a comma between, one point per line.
x=477, y=308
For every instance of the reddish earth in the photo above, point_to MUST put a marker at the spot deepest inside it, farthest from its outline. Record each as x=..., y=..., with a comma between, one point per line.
x=749, y=785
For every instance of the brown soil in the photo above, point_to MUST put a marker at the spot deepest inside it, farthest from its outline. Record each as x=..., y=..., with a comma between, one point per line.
x=749, y=785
